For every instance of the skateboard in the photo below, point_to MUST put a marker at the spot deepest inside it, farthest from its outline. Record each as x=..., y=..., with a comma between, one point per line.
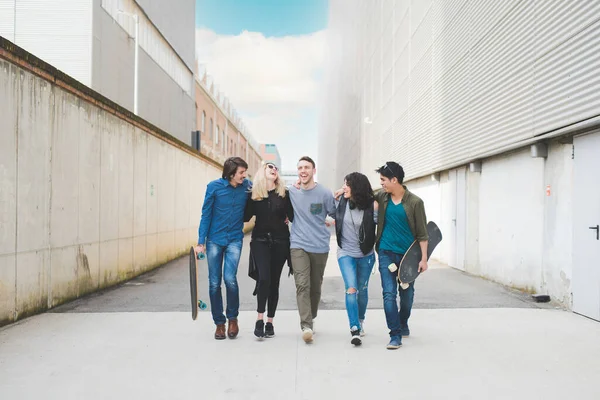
x=409, y=265
x=199, y=297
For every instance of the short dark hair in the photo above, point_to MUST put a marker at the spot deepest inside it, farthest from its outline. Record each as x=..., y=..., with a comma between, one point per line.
x=392, y=169
x=231, y=165
x=308, y=159
x=362, y=193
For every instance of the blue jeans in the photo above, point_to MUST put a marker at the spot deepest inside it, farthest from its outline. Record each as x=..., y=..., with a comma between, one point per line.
x=395, y=319
x=356, y=273
x=227, y=271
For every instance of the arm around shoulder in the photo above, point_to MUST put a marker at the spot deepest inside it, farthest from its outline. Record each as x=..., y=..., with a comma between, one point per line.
x=289, y=208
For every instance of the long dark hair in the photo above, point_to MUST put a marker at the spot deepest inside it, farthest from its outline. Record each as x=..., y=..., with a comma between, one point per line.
x=231, y=165
x=362, y=193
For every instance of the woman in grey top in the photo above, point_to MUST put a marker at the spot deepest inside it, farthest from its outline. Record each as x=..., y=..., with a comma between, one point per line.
x=355, y=231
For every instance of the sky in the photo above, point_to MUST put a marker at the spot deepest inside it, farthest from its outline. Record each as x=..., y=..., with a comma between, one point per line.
x=267, y=57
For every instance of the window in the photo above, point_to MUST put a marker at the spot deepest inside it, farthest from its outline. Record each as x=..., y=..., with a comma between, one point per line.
x=217, y=134
x=203, y=122
x=212, y=131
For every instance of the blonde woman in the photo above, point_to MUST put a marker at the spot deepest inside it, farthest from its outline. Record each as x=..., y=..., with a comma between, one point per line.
x=270, y=244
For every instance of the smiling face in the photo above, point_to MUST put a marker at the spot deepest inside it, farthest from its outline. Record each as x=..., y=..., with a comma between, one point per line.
x=240, y=175
x=271, y=172
x=306, y=172
x=387, y=184
x=347, y=190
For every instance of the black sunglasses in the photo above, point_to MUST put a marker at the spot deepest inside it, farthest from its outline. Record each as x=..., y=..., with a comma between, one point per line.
x=390, y=168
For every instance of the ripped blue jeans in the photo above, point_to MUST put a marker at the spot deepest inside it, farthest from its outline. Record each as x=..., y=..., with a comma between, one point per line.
x=356, y=273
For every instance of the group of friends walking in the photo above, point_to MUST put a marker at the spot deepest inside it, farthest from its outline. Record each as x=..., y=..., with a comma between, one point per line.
x=386, y=221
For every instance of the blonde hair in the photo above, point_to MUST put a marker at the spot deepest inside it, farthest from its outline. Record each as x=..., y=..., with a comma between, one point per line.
x=259, y=186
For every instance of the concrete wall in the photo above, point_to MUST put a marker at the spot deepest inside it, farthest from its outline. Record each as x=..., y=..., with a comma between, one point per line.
x=557, y=259
x=516, y=232
x=511, y=219
x=161, y=100
x=91, y=195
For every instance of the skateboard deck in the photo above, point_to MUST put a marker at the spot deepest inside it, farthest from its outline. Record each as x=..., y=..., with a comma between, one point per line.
x=199, y=293
x=409, y=265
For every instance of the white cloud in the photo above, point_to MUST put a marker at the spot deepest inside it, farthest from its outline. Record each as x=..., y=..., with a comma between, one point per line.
x=272, y=82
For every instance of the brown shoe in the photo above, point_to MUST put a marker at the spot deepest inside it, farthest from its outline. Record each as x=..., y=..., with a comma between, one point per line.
x=220, y=332
x=232, y=329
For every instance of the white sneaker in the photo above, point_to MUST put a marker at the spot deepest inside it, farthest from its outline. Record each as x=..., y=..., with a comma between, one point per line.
x=307, y=335
x=362, y=328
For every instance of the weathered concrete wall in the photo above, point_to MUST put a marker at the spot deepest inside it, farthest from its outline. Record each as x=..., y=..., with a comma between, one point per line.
x=90, y=195
x=516, y=232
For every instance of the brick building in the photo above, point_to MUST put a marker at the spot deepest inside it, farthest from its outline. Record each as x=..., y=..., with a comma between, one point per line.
x=222, y=132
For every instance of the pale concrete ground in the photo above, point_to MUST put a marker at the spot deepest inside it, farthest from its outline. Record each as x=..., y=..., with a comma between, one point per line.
x=455, y=354
x=471, y=339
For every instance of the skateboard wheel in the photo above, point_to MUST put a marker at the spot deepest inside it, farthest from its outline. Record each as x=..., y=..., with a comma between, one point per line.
x=393, y=267
x=201, y=256
x=202, y=305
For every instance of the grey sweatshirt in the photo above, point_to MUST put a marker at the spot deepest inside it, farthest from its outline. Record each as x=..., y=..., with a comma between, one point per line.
x=311, y=207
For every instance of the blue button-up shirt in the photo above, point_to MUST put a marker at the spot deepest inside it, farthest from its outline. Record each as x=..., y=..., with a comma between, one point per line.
x=222, y=220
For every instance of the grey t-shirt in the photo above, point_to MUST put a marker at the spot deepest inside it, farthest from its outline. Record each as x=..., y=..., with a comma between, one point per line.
x=350, y=230
x=311, y=207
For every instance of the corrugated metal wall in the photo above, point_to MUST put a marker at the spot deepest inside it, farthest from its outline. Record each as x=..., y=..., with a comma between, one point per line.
x=7, y=19
x=40, y=29
x=444, y=82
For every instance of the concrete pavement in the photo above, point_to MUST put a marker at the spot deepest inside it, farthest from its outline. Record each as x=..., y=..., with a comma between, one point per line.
x=453, y=353
x=471, y=339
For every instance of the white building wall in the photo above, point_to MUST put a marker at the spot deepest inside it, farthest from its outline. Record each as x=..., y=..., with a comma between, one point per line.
x=511, y=219
x=445, y=82
x=558, y=222
x=60, y=32
x=518, y=219
x=7, y=19
x=441, y=84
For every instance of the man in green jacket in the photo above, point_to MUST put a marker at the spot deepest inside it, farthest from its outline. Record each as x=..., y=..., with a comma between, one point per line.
x=401, y=221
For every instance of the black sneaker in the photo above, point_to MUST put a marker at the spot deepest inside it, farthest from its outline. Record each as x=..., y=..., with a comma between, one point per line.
x=259, y=329
x=269, y=330
x=356, y=340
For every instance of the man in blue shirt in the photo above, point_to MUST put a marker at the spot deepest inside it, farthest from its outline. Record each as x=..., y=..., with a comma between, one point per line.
x=221, y=235
x=401, y=221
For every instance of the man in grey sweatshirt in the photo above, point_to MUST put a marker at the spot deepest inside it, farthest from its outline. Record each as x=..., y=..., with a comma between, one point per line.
x=309, y=242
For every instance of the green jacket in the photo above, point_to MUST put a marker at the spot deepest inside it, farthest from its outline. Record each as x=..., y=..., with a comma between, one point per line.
x=415, y=212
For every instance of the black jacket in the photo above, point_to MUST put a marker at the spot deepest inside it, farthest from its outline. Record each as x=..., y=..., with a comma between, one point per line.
x=367, y=227
x=270, y=226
